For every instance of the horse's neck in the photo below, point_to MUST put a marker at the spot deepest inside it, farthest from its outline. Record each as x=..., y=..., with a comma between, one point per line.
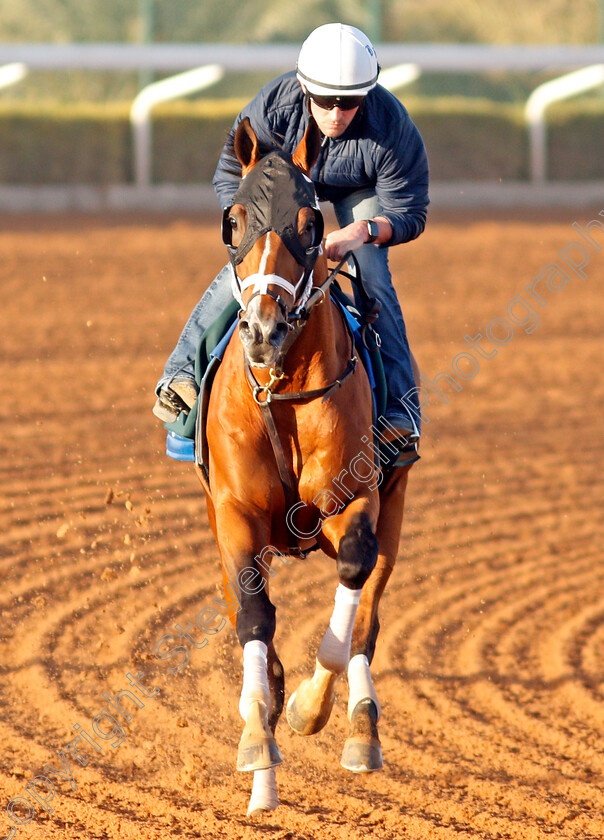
x=321, y=351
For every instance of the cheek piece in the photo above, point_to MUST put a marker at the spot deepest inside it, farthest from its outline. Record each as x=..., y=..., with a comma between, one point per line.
x=272, y=193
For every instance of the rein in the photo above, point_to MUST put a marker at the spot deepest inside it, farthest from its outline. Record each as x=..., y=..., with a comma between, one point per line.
x=317, y=296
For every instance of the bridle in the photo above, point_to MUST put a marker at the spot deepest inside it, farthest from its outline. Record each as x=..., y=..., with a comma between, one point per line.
x=295, y=191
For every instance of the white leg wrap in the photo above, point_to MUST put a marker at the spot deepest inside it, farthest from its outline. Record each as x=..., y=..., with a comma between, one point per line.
x=334, y=651
x=360, y=685
x=255, y=676
x=264, y=791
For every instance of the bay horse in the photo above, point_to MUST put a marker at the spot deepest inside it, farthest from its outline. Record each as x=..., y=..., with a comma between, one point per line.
x=288, y=411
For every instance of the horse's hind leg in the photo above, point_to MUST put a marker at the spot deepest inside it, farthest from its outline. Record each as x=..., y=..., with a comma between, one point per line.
x=276, y=683
x=310, y=706
x=362, y=750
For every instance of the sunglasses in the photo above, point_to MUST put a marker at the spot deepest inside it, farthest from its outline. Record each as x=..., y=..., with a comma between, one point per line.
x=344, y=103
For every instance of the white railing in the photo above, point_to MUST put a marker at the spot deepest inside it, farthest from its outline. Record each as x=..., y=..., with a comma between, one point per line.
x=394, y=78
x=171, y=57
x=402, y=64
x=10, y=74
x=541, y=98
x=140, y=113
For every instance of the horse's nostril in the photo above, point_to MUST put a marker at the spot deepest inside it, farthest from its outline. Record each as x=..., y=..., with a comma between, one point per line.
x=278, y=334
x=251, y=333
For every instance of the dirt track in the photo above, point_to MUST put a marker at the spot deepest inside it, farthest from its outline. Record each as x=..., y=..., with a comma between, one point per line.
x=490, y=661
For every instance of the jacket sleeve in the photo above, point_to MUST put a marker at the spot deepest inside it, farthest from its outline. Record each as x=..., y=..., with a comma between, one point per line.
x=228, y=172
x=402, y=182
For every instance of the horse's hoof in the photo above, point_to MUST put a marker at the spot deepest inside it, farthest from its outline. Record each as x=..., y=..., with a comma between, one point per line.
x=310, y=706
x=258, y=749
x=362, y=751
x=258, y=756
x=257, y=812
x=362, y=755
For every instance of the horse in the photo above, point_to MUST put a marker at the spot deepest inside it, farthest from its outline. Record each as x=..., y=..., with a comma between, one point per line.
x=287, y=468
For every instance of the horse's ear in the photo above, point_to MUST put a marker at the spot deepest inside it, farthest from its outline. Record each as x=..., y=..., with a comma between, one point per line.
x=246, y=146
x=309, y=147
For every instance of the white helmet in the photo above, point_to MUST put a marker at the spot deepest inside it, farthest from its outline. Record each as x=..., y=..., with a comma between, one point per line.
x=338, y=60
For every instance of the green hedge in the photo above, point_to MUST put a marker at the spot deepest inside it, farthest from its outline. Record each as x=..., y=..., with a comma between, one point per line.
x=56, y=145
x=467, y=139
x=472, y=139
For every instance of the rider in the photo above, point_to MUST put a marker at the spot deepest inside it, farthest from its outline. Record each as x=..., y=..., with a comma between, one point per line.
x=373, y=169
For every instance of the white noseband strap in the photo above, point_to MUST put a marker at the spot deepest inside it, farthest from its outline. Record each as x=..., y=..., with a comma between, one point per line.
x=261, y=282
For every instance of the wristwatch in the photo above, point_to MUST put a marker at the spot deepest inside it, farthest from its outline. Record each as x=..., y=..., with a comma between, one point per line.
x=373, y=229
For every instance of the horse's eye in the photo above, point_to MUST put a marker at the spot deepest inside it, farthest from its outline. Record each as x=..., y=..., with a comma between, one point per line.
x=233, y=222
x=310, y=226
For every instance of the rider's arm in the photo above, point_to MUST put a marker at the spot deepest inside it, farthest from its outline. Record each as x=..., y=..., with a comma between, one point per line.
x=402, y=182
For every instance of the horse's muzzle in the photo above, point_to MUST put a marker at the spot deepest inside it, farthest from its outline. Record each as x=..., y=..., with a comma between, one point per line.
x=262, y=339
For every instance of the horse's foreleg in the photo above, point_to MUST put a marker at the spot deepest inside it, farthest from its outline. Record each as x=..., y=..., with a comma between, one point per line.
x=310, y=706
x=264, y=790
x=255, y=628
x=253, y=615
x=362, y=750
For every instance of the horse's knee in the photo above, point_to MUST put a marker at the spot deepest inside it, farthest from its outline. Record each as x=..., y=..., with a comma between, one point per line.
x=357, y=553
x=256, y=618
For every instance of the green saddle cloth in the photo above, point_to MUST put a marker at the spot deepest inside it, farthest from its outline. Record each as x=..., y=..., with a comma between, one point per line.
x=184, y=425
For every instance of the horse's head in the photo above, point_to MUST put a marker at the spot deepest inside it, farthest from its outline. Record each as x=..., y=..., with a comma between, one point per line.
x=273, y=231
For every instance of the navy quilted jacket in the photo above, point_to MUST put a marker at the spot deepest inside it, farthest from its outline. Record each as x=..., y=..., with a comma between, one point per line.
x=381, y=149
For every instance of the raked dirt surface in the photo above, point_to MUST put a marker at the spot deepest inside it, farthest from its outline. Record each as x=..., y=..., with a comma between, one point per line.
x=490, y=662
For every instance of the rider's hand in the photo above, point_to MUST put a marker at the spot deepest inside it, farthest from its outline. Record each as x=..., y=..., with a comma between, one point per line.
x=348, y=238
x=351, y=237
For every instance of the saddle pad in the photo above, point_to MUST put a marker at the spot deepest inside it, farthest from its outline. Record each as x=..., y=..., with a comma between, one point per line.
x=211, y=339
x=369, y=352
